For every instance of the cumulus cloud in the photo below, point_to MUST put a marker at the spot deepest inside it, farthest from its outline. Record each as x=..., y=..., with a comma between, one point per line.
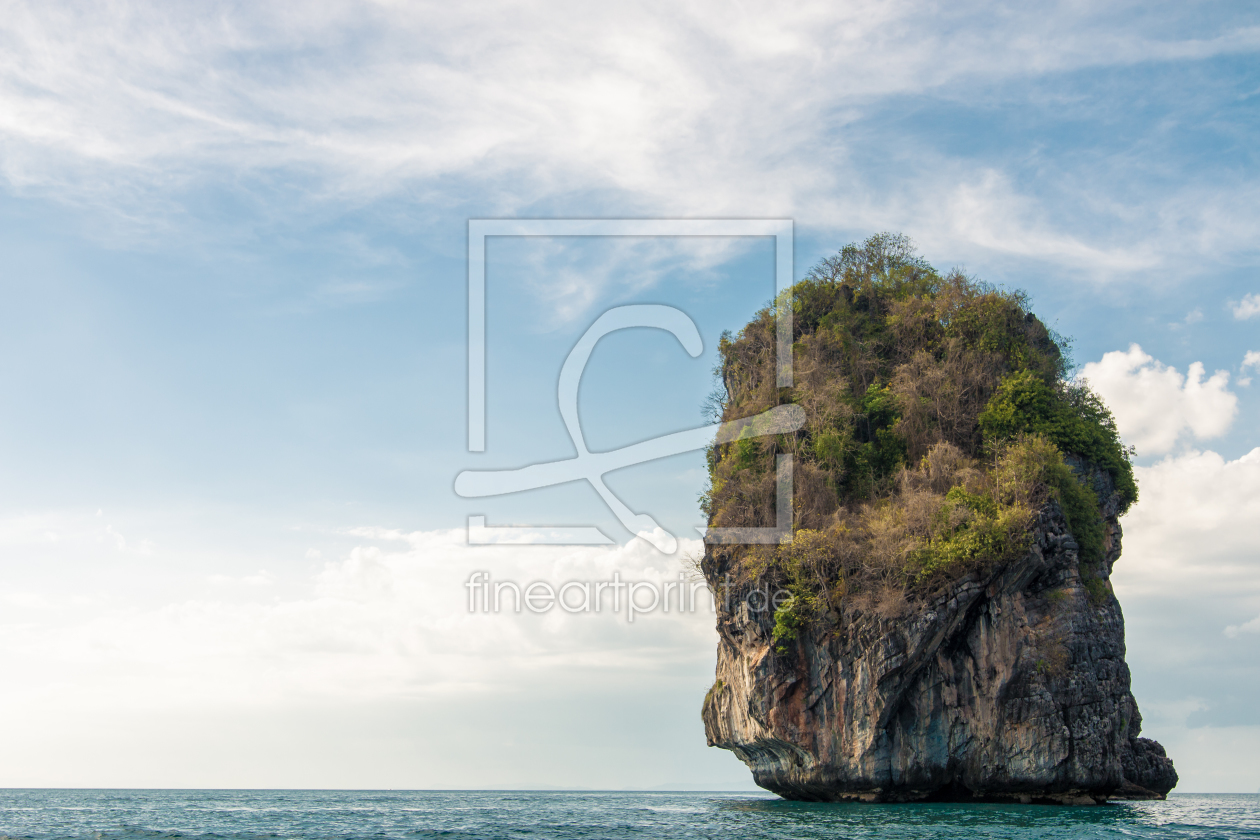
x=1155, y=405
x=1189, y=580
x=388, y=618
x=1248, y=307
x=357, y=666
x=1251, y=361
x=1194, y=529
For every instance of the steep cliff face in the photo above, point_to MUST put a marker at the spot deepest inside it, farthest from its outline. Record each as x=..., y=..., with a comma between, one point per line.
x=1007, y=685
x=941, y=624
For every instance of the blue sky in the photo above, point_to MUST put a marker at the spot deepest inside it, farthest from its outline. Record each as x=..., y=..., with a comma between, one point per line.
x=233, y=359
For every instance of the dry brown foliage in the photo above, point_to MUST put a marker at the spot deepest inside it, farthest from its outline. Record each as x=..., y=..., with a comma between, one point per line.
x=871, y=555
x=941, y=397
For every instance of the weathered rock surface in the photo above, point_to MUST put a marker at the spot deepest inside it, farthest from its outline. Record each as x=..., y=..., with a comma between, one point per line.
x=1007, y=687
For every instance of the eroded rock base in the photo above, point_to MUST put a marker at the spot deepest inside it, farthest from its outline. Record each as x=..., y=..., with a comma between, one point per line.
x=1008, y=688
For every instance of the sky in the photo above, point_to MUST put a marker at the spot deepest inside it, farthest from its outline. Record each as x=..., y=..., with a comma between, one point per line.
x=234, y=359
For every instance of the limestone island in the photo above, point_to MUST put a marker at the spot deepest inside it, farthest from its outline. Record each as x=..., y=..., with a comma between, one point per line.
x=940, y=625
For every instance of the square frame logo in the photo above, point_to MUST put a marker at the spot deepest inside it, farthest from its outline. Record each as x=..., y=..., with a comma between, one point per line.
x=592, y=466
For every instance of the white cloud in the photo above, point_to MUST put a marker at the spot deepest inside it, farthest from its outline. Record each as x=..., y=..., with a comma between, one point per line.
x=1248, y=307
x=567, y=279
x=261, y=578
x=1189, y=582
x=387, y=620
x=695, y=109
x=1252, y=626
x=987, y=211
x=1155, y=405
x=364, y=669
x=1193, y=532
x=1250, y=361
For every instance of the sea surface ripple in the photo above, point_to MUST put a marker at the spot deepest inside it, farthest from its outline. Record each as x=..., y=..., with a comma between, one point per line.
x=348, y=815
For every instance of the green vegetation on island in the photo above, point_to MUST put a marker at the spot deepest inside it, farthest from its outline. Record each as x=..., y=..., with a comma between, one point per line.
x=938, y=413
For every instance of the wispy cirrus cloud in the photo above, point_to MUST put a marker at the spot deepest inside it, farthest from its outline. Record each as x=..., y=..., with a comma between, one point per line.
x=695, y=110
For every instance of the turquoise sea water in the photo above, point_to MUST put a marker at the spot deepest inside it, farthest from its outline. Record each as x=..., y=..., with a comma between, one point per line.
x=227, y=815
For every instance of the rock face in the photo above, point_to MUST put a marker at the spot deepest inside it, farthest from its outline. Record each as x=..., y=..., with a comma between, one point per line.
x=1008, y=687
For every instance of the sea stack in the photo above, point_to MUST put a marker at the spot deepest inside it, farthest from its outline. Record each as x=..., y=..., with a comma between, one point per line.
x=940, y=623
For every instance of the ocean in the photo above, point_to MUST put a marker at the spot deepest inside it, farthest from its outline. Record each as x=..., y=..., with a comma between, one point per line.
x=302, y=814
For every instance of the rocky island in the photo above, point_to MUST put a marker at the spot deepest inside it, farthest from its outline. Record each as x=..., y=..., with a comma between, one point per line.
x=941, y=623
